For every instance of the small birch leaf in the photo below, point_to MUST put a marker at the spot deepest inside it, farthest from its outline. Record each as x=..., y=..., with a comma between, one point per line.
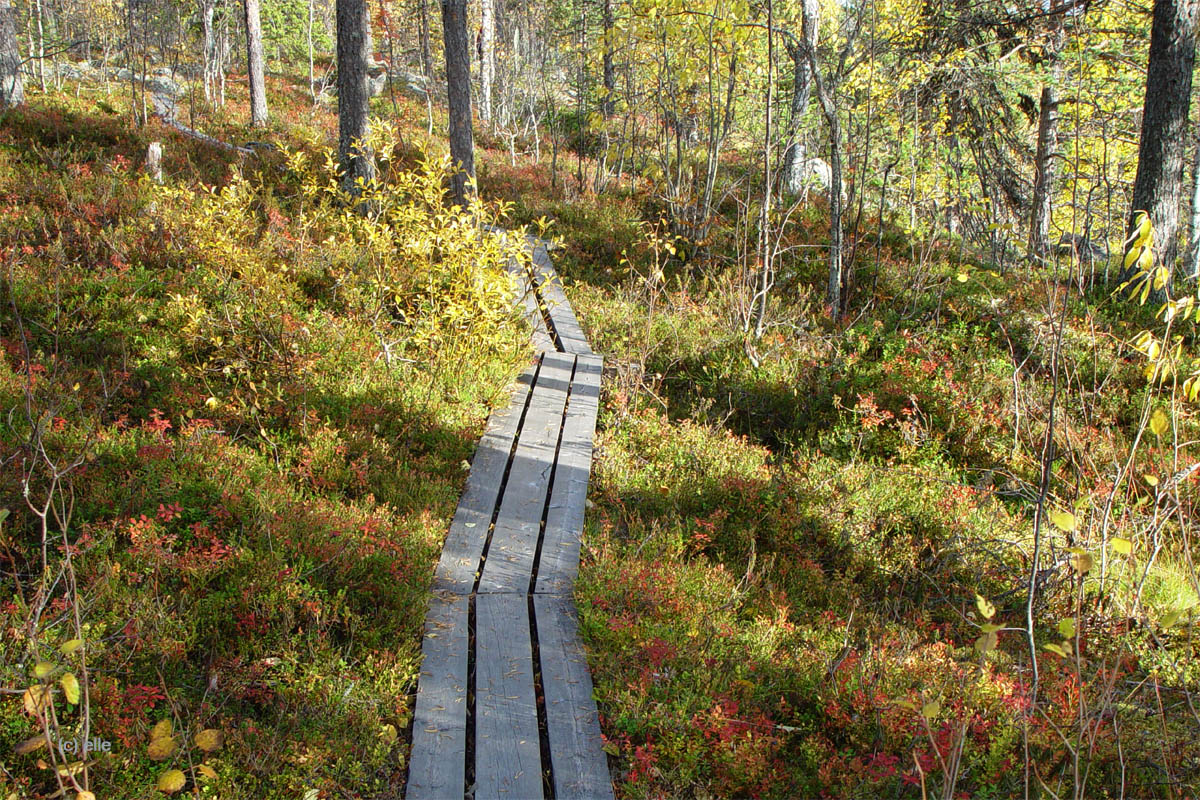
x=171, y=781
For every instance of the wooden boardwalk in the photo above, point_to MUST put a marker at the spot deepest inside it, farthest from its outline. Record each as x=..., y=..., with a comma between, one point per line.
x=504, y=702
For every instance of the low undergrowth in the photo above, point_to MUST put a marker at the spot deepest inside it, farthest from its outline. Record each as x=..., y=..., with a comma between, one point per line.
x=809, y=558
x=235, y=422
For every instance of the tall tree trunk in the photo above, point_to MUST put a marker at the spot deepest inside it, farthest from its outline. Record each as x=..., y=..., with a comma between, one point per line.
x=487, y=56
x=766, y=272
x=254, y=64
x=207, y=11
x=793, y=163
x=426, y=49
x=1191, y=258
x=610, y=76
x=353, y=56
x=458, y=97
x=41, y=46
x=1164, y=121
x=12, y=88
x=837, y=277
x=1043, y=178
x=1047, y=150
x=312, y=71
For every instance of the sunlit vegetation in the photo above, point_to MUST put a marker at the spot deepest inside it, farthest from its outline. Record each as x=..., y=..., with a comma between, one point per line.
x=894, y=484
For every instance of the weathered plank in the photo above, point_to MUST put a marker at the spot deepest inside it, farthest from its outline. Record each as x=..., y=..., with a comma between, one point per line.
x=438, y=761
x=510, y=557
x=465, y=540
x=526, y=294
x=578, y=764
x=508, y=757
x=559, y=562
x=567, y=332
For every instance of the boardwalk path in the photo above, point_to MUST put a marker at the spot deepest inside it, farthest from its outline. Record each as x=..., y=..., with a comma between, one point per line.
x=504, y=704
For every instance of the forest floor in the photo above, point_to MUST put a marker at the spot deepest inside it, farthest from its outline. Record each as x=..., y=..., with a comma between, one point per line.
x=808, y=577
x=805, y=577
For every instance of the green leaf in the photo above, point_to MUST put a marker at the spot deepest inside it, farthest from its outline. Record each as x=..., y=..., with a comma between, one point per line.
x=1056, y=649
x=931, y=709
x=991, y=627
x=1066, y=628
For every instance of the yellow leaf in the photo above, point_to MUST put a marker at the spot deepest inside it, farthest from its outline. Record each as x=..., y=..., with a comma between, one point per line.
x=36, y=699
x=171, y=781
x=207, y=771
x=85, y=795
x=1131, y=257
x=1081, y=563
x=212, y=402
x=162, y=743
x=43, y=670
x=1159, y=422
x=931, y=709
x=1145, y=263
x=1160, y=278
x=209, y=740
x=70, y=687
x=1063, y=520
x=1121, y=547
x=1150, y=480
x=963, y=277
x=986, y=609
x=1056, y=649
x=1066, y=628
x=162, y=748
x=986, y=643
x=66, y=648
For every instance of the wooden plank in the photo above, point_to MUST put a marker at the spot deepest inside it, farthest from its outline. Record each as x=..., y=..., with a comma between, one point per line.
x=559, y=562
x=526, y=295
x=508, y=755
x=578, y=764
x=566, y=329
x=509, y=564
x=438, y=761
x=461, y=554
